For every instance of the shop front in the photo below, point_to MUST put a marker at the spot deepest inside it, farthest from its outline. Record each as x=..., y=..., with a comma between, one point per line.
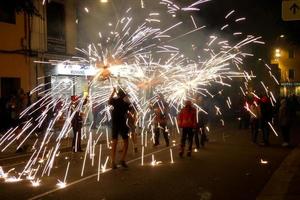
x=69, y=80
x=290, y=88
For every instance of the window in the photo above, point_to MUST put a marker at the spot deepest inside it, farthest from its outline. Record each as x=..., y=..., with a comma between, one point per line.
x=280, y=74
x=9, y=86
x=291, y=74
x=7, y=12
x=56, y=27
x=291, y=53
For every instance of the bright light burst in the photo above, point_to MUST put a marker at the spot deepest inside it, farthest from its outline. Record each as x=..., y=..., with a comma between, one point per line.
x=142, y=61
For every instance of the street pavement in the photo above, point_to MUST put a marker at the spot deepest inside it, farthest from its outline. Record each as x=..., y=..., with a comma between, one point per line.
x=229, y=167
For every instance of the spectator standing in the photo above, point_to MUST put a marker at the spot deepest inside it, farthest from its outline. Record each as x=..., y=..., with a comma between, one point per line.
x=187, y=122
x=255, y=119
x=77, y=123
x=160, y=124
x=266, y=117
x=284, y=122
x=132, y=119
x=202, y=119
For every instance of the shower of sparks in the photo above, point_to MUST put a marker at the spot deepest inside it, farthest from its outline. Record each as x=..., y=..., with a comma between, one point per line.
x=154, y=162
x=36, y=183
x=61, y=184
x=144, y=61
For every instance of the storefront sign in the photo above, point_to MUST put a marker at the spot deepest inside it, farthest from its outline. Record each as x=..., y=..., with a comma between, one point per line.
x=290, y=84
x=75, y=70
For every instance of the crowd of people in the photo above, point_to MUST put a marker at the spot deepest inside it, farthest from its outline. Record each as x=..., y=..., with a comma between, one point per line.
x=260, y=114
x=10, y=108
x=124, y=121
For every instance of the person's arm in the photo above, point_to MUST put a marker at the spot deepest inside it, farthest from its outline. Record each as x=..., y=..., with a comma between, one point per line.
x=110, y=100
x=85, y=100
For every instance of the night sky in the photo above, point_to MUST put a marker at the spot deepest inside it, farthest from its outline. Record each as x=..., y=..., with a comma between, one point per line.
x=263, y=17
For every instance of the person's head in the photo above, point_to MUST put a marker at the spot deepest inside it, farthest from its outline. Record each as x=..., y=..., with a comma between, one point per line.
x=74, y=100
x=157, y=110
x=20, y=91
x=121, y=93
x=188, y=103
x=265, y=99
x=159, y=96
x=200, y=98
x=283, y=102
x=132, y=109
x=256, y=100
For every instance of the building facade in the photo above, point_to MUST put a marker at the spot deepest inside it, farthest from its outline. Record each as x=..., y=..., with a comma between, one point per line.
x=25, y=39
x=287, y=57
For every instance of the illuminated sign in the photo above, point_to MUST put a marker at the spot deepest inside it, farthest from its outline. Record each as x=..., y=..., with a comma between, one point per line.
x=291, y=84
x=76, y=70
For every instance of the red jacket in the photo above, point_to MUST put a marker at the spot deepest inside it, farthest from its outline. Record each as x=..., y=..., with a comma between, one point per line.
x=187, y=118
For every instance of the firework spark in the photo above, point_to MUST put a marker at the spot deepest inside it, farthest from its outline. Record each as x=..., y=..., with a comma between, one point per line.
x=144, y=61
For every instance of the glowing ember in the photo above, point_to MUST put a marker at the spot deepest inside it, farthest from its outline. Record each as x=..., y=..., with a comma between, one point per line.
x=36, y=183
x=61, y=184
x=263, y=161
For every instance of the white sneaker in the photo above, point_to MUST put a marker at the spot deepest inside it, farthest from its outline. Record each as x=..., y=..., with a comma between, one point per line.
x=285, y=144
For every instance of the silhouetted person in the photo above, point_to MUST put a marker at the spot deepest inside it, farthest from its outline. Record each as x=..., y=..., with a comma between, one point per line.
x=202, y=118
x=77, y=123
x=160, y=125
x=284, y=122
x=119, y=127
x=266, y=117
x=187, y=121
x=132, y=119
x=255, y=118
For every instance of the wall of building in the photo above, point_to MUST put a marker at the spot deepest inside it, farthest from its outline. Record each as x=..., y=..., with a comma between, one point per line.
x=281, y=56
x=285, y=64
x=11, y=34
x=15, y=62
x=12, y=41
x=71, y=26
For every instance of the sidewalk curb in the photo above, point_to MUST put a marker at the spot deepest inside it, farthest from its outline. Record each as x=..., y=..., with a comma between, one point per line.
x=278, y=185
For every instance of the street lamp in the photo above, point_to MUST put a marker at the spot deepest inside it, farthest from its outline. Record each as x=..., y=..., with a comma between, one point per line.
x=113, y=6
x=277, y=53
x=282, y=36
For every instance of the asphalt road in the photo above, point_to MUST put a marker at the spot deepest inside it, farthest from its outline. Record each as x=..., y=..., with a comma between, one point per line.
x=229, y=167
